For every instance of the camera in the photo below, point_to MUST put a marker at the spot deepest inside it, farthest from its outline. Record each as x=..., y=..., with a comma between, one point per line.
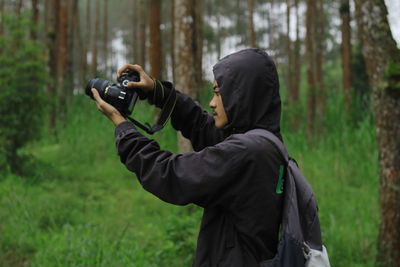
x=117, y=95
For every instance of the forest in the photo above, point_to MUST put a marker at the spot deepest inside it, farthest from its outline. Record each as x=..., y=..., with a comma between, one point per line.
x=65, y=197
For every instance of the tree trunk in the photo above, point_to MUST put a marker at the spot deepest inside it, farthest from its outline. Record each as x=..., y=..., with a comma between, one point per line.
x=296, y=58
x=314, y=50
x=184, y=57
x=105, y=36
x=382, y=58
x=96, y=38
x=251, y=32
x=155, y=39
x=63, y=56
x=136, y=32
x=1, y=17
x=52, y=18
x=311, y=68
x=35, y=19
x=82, y=52
x=319, y=40
x=198, y=44
x=143, y=8
x=18, y=7
x=289, y=55
x=173, y=40
x=346, y=50
x=89, y=38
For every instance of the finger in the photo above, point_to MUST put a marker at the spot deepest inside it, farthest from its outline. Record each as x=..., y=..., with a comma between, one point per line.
x=135, y=84
x=96, y=95
x=124, y=68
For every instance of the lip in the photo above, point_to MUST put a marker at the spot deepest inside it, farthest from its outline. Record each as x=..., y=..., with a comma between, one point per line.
x=215, y=114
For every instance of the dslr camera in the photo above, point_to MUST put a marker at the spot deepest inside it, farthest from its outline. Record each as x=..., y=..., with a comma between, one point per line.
x=117, y=95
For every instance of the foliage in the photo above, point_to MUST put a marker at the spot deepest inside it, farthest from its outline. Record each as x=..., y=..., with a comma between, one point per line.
x=22, y=78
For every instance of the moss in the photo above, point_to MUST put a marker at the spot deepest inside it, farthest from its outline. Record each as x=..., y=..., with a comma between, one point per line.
x=393, y=70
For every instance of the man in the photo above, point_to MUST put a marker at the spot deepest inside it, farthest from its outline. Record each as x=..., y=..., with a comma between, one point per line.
x=233, y=173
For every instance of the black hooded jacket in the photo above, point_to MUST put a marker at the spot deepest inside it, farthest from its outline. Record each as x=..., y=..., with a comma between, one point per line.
x=232, y=174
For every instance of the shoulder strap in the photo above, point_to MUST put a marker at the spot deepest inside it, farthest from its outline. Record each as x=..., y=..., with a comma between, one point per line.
x=274, y=140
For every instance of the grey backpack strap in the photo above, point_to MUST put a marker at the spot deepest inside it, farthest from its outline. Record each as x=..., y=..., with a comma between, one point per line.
x=274, y=140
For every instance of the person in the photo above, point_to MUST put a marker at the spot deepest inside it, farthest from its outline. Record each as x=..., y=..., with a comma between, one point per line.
x=233, y=174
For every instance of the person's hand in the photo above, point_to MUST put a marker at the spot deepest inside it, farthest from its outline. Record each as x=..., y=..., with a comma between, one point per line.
x=108, y=110
x=146, y=84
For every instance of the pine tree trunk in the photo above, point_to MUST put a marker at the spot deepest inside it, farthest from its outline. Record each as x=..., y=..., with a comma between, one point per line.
x=1, y=17
x=143, y=8
x=18, y=7
x=136, y=32
x=89, y=38
x=289, y=55
x=251, y=31
x=296, y=58
x=346, y=50
x=82, y=50
x=311, y=68
x=35, y=19
x=173, y=40
x=96, y=38
x=382, y=58
x=155, y=39
x=198, y=44
x=105, y=36
x=63, y=57
x=52, y=18
x=185, y=80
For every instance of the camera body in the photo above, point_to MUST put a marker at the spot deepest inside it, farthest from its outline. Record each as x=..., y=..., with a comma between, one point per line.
x=117, y=95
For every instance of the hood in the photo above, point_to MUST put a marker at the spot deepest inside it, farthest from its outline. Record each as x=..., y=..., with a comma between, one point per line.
x=249, y=87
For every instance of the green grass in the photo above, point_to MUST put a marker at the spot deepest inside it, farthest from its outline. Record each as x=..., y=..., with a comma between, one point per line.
x=81, y=207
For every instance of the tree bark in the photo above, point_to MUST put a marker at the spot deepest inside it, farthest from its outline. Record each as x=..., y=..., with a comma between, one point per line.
x=296, y=58
x=382, y=58
x=198, y=44
x=311, y=68
x=314, y=51
x=63, y=56
x=155, y=39
x=89, y=36
x=105, y=36
x=96, y=38
x=346, y=50
x=320, y=48
x=251, y=32
x=52, y=18
x=18, y=7
x=1, y=17
x=289, y=55
x=184, y=37
x=35, y=19
x=143, y=8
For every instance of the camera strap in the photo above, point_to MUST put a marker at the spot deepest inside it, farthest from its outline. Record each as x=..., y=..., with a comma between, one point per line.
x=162, y=120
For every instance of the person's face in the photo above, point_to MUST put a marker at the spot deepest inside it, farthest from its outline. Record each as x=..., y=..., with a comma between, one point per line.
x=216, y=104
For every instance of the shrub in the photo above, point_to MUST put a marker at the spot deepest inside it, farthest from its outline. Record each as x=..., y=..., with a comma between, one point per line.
x=22, y=80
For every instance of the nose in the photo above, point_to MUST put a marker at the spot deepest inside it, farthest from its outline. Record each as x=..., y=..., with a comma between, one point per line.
x=212, y=103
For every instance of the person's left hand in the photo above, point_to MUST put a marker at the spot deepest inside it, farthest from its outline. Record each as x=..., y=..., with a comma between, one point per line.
x=108, y=110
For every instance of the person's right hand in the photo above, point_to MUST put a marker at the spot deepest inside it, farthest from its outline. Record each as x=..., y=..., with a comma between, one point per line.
x=146, y=84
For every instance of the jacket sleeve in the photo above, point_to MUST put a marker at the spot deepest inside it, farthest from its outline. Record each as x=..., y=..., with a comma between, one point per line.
x=193, y=177
x=188, y=117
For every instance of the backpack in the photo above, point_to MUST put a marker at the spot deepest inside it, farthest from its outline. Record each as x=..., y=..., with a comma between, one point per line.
x=300, y=237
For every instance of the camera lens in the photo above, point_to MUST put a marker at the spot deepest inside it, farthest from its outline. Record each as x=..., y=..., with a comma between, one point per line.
x=99, y=84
